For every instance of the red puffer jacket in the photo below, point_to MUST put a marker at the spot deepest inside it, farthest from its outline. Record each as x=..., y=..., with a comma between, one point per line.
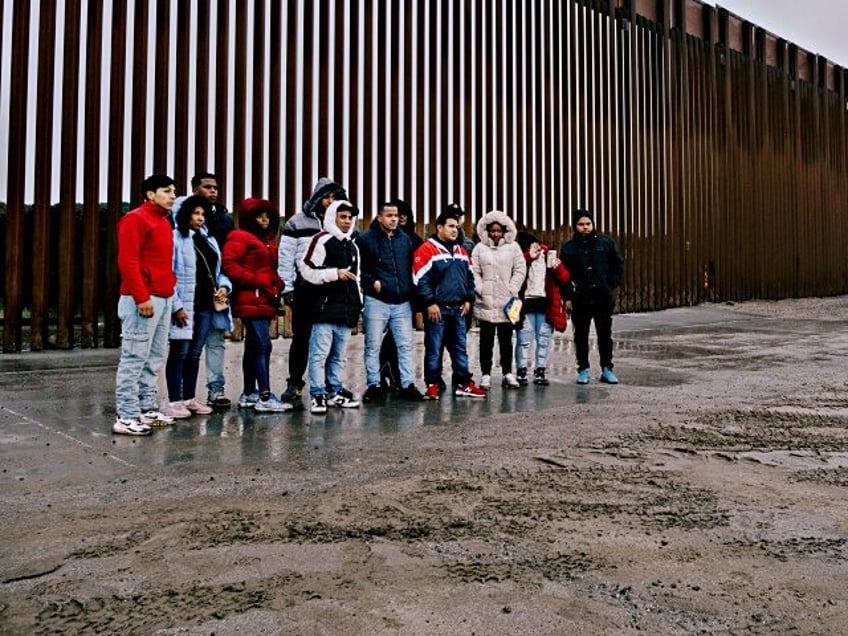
x=555, y=313
x=250, y=260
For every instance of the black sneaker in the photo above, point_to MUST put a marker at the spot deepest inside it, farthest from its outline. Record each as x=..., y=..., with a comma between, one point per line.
x=521, y=376
x=373, y=394
x=539, y=377
x=292, y=394
x=217, y=400
x=411, y=393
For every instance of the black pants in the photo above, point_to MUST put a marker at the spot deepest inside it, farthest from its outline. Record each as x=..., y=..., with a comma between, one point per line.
x=487, y=342
x=389, y=370
x=301, y=323
x=583, y=312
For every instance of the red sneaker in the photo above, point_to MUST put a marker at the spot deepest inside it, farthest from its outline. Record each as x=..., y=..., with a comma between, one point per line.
x=470, y=390
x=432, y=392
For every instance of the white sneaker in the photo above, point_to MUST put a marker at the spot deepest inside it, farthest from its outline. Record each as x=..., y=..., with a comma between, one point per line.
x=156, y=418
x=319, y=404
x=510, y=381
x=130, y=426
x=343, y=401
x=486, y=382
x=176, y=410
x=194, y=406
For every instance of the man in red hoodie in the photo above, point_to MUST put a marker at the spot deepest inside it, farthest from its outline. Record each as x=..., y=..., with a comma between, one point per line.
x=145, y=265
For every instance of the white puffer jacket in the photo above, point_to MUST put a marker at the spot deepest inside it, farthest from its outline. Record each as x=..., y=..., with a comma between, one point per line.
x=499, y=270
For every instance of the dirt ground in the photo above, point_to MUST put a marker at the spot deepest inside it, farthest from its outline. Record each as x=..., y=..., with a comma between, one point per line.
x=704, y=494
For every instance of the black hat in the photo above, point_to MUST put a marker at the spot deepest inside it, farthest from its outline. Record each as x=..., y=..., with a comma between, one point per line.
x=579, y=214
x=454, y=210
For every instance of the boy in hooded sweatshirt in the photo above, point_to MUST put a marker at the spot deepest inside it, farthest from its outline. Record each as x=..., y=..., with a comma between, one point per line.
x=331, y=295
x=297, y=235
x=250, y=260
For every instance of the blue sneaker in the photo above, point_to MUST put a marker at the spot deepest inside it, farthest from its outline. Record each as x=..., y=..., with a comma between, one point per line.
x=248, y=401
x=608, y=376
x=583, y=376
x=272, y=405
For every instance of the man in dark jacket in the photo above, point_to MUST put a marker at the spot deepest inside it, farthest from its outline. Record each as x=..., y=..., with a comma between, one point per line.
x=597, y=267
x=386, y=278
x=330, y=292
x=441, y=271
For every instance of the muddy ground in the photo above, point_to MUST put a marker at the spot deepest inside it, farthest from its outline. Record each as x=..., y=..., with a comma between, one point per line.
x=704, y=494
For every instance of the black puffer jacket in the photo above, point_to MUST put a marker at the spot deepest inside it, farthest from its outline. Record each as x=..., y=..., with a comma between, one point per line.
x=596, y=266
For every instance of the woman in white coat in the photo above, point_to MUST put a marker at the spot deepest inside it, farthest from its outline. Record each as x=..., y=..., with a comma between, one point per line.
x=499, y=271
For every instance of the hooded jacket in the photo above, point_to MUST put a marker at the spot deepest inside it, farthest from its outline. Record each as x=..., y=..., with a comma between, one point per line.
x=499, y=269
x=387, y=259
x=250, y=260
x=299, y=230
x=332, y=301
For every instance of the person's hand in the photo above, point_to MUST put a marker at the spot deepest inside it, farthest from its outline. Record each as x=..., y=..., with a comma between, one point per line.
x=378, y=286
x=346, y=274
x=221, y=293
x=145, y=309
x=181, y=318
x=434, y=314
x=535, y=250
x=568, y=306
x=465, y=308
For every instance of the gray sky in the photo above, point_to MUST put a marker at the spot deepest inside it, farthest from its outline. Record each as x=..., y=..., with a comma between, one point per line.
x=815, y=25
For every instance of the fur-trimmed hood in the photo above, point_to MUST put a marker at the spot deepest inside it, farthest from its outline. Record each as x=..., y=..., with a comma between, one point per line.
x=499, y=217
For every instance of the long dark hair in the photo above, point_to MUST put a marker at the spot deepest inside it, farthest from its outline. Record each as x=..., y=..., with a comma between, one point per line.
x=189, y=205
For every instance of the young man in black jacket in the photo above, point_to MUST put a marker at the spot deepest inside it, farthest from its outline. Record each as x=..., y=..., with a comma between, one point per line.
x=386, y=277
x=596, y=266
x=332, y=297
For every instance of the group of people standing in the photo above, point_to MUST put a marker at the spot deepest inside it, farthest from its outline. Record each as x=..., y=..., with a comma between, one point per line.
x=186, y=271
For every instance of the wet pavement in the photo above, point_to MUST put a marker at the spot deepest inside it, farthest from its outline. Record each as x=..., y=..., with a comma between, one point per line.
x=704, y=494
x=61, y=404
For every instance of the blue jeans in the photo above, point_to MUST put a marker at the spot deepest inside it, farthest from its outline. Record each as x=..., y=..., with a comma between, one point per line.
x=327, y=346
x=450, y=328
x=183, y=363
x=399, y=320
x=536, y=328
x=143, y=344
x=215, y=360
x=256, y=361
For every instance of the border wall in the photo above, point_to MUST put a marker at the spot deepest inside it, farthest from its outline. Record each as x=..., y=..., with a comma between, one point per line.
x=712, y=150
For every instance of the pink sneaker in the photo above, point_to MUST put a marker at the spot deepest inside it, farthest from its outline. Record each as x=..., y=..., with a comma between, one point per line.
x=194, y=406
x=176, y=411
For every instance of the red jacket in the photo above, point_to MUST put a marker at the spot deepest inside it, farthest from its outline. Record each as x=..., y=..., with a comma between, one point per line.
x=146, y=253
x=555, y=313
x=250, y=260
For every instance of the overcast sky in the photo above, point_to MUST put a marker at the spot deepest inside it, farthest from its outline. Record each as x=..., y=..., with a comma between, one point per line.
x=818, y=26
